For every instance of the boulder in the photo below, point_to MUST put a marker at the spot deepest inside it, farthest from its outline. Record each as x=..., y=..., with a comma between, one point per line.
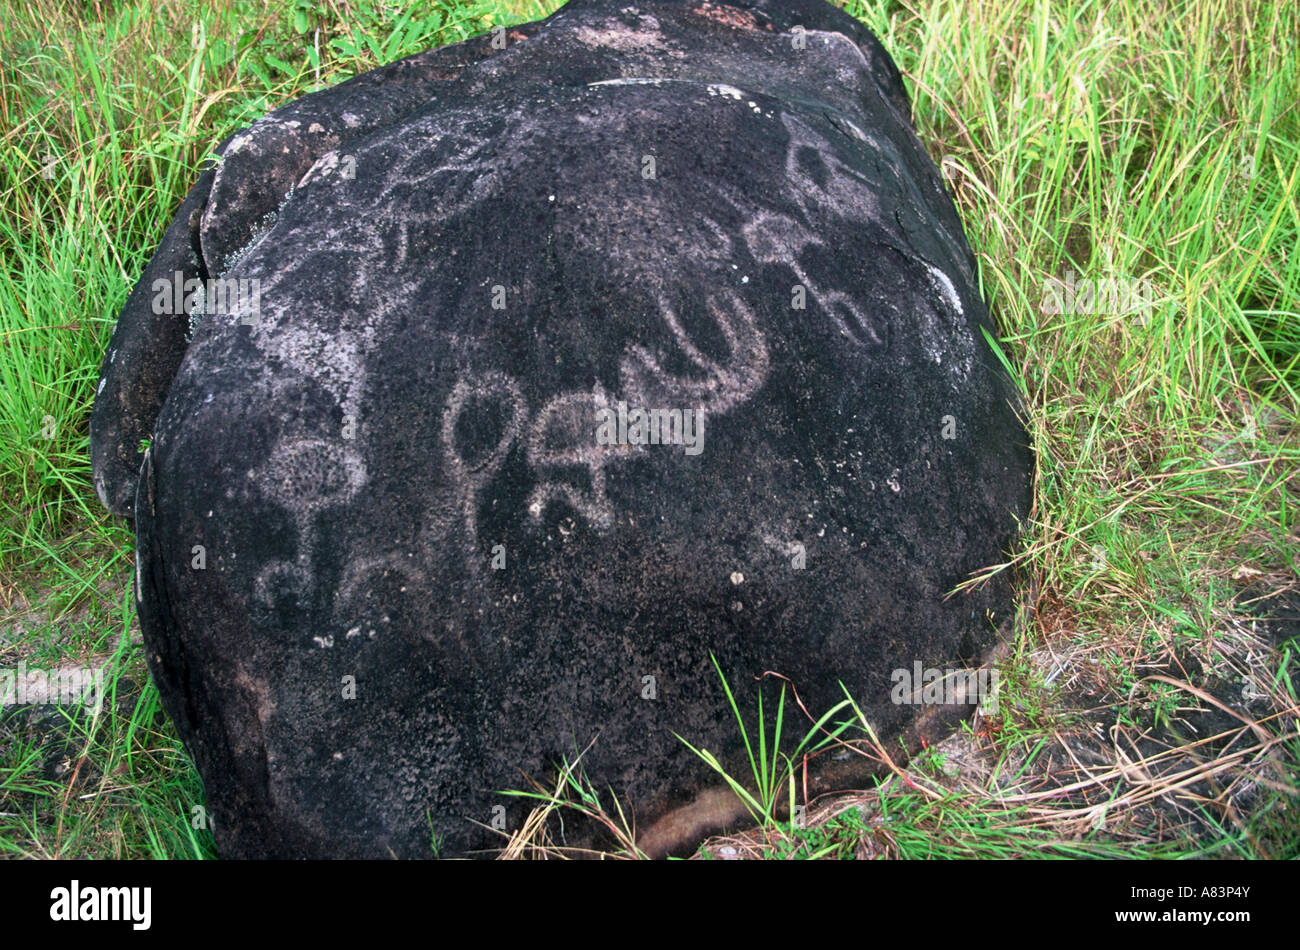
x=495, y=392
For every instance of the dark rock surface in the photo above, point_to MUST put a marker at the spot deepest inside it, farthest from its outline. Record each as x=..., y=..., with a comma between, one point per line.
x=386, y=565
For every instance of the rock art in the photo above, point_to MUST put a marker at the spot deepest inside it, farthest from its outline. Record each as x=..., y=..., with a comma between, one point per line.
x=491, y=393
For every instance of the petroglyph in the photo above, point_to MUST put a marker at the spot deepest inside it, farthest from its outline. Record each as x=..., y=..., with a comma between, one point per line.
x=721, y=386
x=778, y=239
x=305, y=477
x=819, y=179
x=468, y=475
x=562, y=435
x=312, y=474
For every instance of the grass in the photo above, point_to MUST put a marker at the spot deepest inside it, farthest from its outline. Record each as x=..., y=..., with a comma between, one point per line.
x=1151, y=143
x=772, y=769
x=572, y=793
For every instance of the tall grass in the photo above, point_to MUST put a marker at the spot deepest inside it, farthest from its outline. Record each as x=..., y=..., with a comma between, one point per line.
x=1150, y=141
